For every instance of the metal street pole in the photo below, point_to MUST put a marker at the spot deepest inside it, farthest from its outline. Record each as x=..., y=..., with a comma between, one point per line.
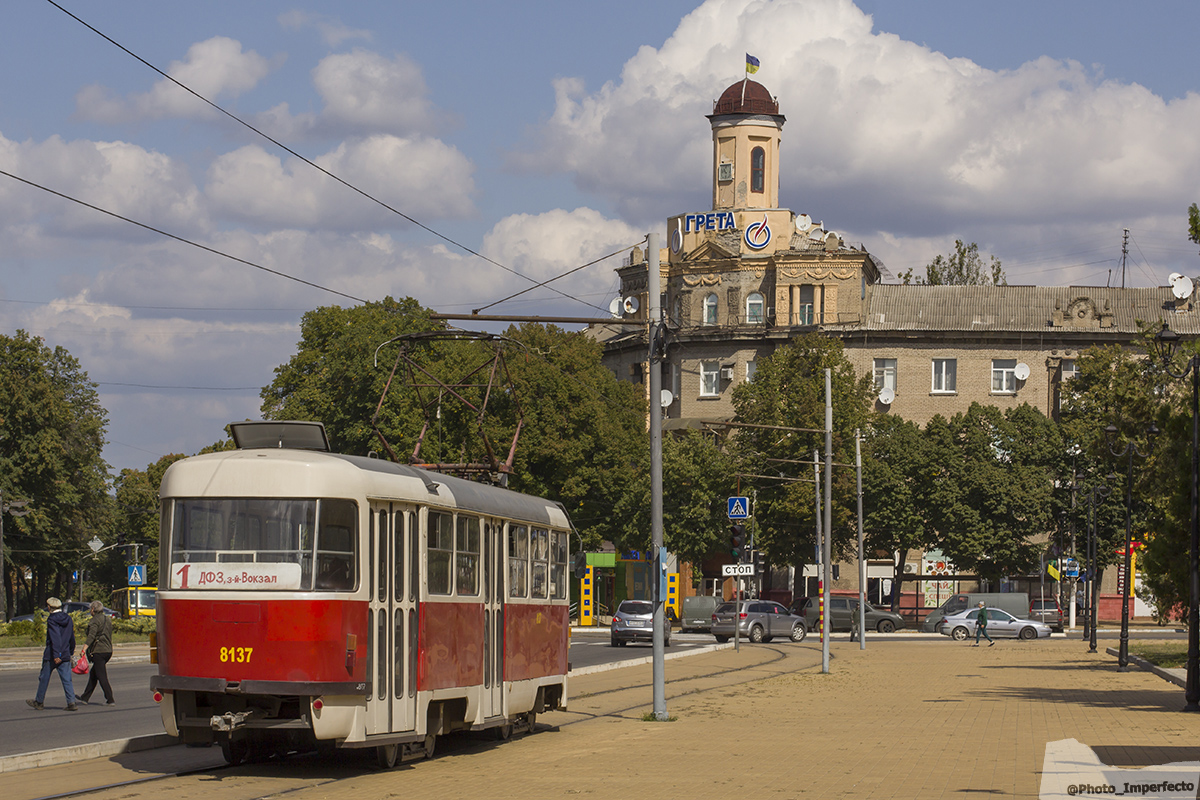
x=828, y=555
x=862, y=562
x=1093, y=577
x=1130, y=449
x=656, y=489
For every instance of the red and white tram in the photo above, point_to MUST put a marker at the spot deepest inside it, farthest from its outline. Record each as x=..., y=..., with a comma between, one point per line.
x=308, y=598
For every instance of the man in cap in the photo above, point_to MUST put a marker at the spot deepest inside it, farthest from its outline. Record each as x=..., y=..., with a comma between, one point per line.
x=60, y=646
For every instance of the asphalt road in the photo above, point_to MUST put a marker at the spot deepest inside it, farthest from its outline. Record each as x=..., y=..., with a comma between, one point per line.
x=26, y=730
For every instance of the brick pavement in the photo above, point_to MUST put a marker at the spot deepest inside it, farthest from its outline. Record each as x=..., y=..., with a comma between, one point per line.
x=905, y=719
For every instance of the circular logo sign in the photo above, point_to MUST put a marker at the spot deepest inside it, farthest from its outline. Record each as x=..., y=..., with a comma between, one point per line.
x=676, y=240
x=758, y=235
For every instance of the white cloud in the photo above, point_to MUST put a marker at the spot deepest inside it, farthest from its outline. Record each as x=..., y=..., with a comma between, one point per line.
x=881, y=134
x=333, y=32
x=424, y=178
x=122, y=178
x=215, y=68
x=366, y=92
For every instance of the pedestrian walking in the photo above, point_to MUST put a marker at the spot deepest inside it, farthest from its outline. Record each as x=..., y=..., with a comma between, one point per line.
x=981, y=626
x=99, y=650
x=60, y=645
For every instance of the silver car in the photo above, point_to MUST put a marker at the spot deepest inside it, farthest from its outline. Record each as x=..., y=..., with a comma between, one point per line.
x=758, y=621
x=1000, y=625
x=634, y=622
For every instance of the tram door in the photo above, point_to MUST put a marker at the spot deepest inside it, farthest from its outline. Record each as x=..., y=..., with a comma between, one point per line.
x=493, y=618
x=392, y=535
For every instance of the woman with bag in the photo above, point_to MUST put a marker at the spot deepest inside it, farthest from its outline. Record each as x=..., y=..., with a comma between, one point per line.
x=98, y=650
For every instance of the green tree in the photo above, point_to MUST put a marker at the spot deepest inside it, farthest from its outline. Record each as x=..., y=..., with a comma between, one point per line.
x=788, y=391
x=698, y=475
x=963, y=267
x=898, y=468
x=136, y=520
x=994, y=485
x=1194, y=223
x=581, y=428
x=51, y=437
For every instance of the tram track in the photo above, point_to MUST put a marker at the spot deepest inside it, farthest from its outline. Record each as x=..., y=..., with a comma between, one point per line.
x=278, y=777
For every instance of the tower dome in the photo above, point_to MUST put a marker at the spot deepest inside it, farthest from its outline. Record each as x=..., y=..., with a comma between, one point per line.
x=746, y=97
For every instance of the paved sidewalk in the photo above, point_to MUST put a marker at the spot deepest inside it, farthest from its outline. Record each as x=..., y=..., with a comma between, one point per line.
x=906, y=719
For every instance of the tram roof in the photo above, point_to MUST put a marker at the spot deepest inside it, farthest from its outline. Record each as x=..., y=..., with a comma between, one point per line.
x=310, y=473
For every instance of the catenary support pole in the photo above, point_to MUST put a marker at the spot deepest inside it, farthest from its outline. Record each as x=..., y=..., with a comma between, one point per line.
x=656, y=488
x=827, y=556
x=862, y=562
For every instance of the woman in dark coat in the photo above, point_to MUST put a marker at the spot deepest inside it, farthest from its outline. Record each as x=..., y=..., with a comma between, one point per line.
x=99, y=650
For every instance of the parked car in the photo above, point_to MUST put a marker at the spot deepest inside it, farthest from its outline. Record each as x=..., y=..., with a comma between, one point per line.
x=634, y=622
x=758, y=621
x=1047, y=610
x=697, y=613
x=1001, y=624
x=72, y=606
x=843, y=611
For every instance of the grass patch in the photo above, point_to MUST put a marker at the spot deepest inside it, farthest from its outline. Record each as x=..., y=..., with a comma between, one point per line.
x=9, y=642
x=1162, y=654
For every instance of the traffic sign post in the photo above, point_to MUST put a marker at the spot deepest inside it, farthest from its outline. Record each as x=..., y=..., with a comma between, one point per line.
x=737, y=570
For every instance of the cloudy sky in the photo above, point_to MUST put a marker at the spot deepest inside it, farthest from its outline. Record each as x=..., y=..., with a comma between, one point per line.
x=541, y=135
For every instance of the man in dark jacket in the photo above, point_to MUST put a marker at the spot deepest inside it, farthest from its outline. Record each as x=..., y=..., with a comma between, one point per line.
x=60, y=646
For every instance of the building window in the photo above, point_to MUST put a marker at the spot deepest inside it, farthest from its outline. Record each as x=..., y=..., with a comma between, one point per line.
x=945, y=373
x=754, y=309
x=804, y=308
x=677, y=311
x=885, y=374
x=758, y=168
x=710, y=378
x=1004, y=378
x=1069, y=370
x=710, y=309
x=750, y=367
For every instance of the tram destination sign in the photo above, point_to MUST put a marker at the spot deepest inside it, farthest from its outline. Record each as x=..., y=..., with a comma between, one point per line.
x=737, y=570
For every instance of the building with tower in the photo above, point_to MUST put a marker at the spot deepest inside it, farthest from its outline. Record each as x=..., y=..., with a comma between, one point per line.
x=748, y=276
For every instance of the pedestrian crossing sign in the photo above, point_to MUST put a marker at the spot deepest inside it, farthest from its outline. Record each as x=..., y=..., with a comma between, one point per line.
x=739, y=507
x=137, y=575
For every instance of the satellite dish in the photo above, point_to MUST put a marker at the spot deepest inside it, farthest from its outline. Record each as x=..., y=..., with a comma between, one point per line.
x=1021, y=371
x=666, y=398
x=886, y=396
x=631, y=305
x=614, y=307
x=1181, y=286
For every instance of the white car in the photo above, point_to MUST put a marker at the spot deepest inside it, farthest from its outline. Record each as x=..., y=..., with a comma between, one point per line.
x=1000, y=625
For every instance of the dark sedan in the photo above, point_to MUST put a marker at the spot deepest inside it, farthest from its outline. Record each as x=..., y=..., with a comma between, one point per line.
x=843, y=611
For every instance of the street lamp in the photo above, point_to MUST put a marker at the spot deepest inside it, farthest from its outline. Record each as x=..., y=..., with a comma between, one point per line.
x=1090, y=587
x=17, y=509
x=1166, y=343
x=1130, y=449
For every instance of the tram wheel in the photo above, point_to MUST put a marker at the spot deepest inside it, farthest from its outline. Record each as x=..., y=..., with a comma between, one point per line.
x=235, y=751
x=430, y=744
x=385, y=755
x=503, y=732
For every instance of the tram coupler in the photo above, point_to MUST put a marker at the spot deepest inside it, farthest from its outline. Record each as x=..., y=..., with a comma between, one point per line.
x=231, y=721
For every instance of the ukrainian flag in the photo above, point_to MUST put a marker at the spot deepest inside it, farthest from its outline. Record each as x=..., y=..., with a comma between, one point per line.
x=751, y=64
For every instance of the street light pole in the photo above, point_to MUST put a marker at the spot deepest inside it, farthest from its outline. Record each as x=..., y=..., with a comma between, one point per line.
x=1167, y=342
x=1130, y=449
x=1090, y=586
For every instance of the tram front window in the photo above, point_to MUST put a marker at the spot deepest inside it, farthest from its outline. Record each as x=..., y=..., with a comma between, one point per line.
x=260, y=543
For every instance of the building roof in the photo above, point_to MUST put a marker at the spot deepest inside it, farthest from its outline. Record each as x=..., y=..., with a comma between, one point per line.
x=746, y=97
x=1063, y=309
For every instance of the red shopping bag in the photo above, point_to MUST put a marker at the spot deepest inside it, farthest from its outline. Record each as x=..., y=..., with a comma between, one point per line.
x=81, y=665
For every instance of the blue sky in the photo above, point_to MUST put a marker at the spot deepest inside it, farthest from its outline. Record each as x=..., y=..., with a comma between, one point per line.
x=544, y=135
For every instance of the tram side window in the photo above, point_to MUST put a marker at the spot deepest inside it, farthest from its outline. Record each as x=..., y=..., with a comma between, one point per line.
x=335, y=545
x=466, y=556
x=558, y=565
x=518, y=560
x=540, y=562
x=440, y=552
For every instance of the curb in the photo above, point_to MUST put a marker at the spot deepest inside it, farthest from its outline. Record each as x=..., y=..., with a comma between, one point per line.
x=36, y=665
x=83, y=752
x=1165, y=674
